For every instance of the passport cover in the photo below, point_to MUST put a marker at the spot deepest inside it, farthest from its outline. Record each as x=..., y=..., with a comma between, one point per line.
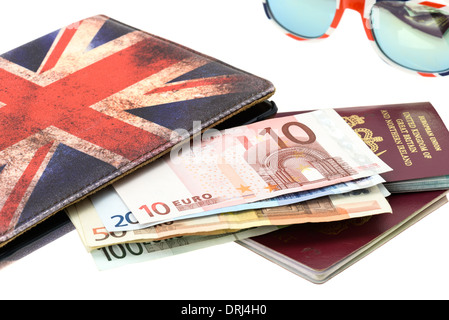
x=410, y=137
x=58, y=225
x=88, y=103
x=319, y=251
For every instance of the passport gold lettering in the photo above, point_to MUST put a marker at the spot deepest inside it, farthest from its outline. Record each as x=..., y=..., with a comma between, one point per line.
x=429, y=132
x=408, y=117
x=426, y=126
x=435, y=144
x=402, y=126
x=420, y=140
x=412, y=136
x=410, y=144
x=404, y=155
x=393, y=131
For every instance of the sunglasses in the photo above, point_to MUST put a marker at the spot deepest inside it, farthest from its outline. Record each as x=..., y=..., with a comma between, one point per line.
x=411, y=35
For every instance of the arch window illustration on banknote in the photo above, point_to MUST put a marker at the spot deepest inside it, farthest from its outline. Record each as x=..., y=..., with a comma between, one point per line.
x=295, y=165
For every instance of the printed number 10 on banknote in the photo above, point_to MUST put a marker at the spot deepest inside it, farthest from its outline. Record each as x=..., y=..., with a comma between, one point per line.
x=249, y=163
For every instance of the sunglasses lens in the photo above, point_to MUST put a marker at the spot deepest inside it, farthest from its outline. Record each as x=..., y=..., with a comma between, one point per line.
x=412, y=35
x=304, y=18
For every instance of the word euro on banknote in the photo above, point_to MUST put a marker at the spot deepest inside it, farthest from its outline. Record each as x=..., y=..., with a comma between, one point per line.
x=249, y=163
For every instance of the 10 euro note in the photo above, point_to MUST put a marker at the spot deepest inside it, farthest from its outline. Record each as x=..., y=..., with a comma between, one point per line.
x=249, y=163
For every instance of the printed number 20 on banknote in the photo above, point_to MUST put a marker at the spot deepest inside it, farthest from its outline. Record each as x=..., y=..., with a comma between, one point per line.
x=249, y=163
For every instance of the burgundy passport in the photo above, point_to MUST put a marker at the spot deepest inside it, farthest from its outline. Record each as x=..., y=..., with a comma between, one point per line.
x=319, y=251
x=88, y=103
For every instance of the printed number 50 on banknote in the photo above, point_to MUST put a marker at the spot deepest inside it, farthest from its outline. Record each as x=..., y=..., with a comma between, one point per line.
x=249, y=163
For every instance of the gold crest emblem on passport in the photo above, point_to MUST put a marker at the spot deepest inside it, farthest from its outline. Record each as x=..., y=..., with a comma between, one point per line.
x=365, y=134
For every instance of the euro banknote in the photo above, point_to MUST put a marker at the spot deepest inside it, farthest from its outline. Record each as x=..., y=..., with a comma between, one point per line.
x=116, y=216
x=247, y=164
x=358, y=203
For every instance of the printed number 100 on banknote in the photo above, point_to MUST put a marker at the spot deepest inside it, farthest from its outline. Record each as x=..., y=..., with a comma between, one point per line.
x=249, y=163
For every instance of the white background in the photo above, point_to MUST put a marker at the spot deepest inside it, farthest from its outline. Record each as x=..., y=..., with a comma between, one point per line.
x=341, y=71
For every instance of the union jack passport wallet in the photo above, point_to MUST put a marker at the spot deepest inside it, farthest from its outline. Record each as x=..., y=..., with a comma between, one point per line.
x=86, y=104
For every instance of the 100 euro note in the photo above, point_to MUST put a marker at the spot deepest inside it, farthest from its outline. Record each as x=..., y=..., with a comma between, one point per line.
x=354, y=204
x=247, y=164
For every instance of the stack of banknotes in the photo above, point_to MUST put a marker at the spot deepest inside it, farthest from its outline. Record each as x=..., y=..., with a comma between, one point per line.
x=233, y=184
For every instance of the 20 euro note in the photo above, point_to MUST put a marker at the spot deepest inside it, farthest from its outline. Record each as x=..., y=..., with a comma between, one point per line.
x=358, y=203
x=249, y=163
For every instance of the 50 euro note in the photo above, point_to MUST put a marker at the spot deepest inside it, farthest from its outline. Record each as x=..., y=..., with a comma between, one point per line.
x=247, y=164
x=354, y=204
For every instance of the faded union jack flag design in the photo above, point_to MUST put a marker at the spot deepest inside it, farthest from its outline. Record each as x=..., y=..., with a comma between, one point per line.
x=84, y=104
